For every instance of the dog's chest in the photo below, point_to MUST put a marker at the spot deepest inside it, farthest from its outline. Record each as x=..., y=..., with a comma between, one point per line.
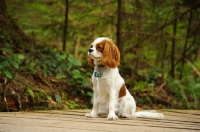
x=102, y=86
x=104, y=79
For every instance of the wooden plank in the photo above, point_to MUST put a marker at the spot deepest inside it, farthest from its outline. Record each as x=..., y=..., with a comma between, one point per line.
x=74, y=120
x=127, y=122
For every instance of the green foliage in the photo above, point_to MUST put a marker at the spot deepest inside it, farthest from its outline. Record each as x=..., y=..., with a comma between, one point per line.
x=90, y=94
x=47, y=62
x=58, y=98
x=72, y=104
x=145, y=91
x=66, y=103
x=187, y=90
x=50, y=62
x=73, y=61
x=9, y=61
x=37, y=95
x=62, y=66
x=29, y=92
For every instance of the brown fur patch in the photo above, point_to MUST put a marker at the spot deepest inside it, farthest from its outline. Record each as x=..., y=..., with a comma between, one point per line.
x=122, y=91
x=90, y=61
x=110, y=54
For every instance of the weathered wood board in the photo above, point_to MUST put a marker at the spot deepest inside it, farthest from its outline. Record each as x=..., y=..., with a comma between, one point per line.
x=75, y=121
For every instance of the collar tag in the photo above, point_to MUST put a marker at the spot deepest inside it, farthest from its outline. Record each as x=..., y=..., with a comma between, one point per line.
x=98, y=74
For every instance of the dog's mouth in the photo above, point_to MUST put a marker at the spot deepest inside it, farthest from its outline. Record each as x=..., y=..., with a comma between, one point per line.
x=96, y=58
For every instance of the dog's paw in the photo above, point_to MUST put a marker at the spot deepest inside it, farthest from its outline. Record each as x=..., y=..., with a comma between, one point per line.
x=112, y=117
x=91, y=115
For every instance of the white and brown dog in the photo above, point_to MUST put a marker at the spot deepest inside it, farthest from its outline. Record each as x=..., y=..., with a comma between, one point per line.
x=111, y=97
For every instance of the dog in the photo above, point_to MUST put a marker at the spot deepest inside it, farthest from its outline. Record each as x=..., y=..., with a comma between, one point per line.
x=110, y=95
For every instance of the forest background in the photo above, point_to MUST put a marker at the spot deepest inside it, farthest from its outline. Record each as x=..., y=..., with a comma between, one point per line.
x=44, y=44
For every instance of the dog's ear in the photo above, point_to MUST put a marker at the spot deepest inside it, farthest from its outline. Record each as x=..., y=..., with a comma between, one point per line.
x=90, y=61
x=110, y=55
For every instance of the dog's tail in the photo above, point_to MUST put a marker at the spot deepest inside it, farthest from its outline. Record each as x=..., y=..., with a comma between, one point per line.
x=149, y=114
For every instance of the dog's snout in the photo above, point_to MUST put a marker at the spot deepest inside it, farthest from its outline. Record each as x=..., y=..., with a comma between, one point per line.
x=90, y=50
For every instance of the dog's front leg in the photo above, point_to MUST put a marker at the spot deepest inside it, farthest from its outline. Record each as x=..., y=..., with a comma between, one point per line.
x=93, y=113
x=112, y=103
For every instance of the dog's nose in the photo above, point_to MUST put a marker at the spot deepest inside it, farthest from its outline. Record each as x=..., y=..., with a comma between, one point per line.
x=90, y=50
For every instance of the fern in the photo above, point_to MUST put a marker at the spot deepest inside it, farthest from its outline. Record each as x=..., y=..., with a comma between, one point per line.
x=37, y=95
x=29, y=92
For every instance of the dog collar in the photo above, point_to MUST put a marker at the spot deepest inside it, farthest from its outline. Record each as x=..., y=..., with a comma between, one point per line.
x=100, y=66
x=99, y=70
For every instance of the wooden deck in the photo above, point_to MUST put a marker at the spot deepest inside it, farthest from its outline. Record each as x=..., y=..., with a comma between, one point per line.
x=75, y=121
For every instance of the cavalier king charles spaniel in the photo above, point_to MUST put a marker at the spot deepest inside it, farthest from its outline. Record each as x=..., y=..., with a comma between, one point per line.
x=111, y=97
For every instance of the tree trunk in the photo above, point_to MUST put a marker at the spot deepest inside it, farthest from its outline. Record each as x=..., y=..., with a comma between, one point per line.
x=136, y=50
x=173, y=44
x=9, y=31
x=119, y=26
x=3, y=9
x=186, y=40
x=3, y=12
x=198, y=55
x=65, y=29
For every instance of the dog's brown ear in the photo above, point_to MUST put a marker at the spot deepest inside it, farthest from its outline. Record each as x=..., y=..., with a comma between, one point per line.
x=110, y=55
x=90, y=61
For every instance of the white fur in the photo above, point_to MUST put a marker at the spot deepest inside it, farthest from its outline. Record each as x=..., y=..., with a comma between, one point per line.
x=106, y=91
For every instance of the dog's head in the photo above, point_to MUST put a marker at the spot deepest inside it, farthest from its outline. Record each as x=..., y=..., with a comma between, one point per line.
x=105, y=52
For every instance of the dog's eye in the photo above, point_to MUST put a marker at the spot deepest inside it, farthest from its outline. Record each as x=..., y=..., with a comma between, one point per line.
x=98, y=47
x=91, y=46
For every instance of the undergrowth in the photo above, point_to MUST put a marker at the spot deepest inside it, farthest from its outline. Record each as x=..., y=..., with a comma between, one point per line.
x=176, y=93
x=186, y=92
x=45, y=63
